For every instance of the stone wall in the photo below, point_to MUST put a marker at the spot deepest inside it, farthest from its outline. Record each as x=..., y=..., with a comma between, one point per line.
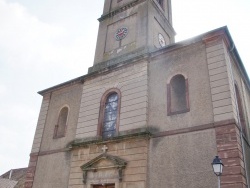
x=230, y=151
x=191, y=63
x=132, y=83
x=220, y=80
x=224, y=73
x=46, y=149
x=133, y=151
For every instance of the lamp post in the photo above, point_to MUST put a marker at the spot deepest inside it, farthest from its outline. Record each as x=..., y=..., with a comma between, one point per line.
x=217, y=167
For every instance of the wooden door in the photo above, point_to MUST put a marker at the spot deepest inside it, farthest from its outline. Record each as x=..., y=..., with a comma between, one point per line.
x=104, y=186
x=110, y=186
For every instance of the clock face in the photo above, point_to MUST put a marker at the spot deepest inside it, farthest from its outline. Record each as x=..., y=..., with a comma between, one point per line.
x=161, y=40
x=121, y=33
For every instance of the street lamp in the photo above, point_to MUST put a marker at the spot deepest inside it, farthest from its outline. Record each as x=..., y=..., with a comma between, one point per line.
x=217, y=167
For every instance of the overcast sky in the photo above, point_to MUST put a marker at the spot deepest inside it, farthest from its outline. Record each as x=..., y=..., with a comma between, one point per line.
x=46, y=42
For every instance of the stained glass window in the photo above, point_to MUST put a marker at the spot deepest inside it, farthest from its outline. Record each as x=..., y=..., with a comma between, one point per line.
x=110, y=116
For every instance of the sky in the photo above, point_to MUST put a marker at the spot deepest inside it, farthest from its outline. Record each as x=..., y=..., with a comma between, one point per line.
x=44, y=43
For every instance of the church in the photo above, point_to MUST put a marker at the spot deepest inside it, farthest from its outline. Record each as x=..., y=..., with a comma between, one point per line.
x=150, y=113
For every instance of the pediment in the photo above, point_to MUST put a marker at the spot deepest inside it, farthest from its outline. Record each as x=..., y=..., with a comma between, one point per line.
x=104, y=161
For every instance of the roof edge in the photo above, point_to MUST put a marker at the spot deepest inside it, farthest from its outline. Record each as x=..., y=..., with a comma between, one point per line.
x=62, y=85
x=223, y=31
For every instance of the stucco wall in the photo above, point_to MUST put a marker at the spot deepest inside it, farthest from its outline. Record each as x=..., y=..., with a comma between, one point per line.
x=41, y=124
x=144, y=20
x=71, y=97
x=52, y=168
x=135, y=19
x=52, y=171
x=183, y=161
x=191, y=63
x=158, y=24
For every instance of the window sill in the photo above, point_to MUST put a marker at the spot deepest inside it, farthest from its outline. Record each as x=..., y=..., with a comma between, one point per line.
x=178, y=112
x=56, y=137
x=125, y=135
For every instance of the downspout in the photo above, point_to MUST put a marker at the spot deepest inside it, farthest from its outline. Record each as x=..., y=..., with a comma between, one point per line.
x=239, y=122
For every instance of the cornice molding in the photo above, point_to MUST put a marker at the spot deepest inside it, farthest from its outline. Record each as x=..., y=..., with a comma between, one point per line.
x=120, y=9
x=125, y=135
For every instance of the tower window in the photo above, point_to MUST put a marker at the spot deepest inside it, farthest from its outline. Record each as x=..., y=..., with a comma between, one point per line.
x=60, y=128
x=160, y=2
x=177, y=95
x=109, y=114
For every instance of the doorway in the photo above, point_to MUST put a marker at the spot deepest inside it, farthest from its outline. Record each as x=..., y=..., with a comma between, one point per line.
x=104, y=186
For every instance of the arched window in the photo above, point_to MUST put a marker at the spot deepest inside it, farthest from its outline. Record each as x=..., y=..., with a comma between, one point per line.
x=109, y=114
x=240, y=108
x=60, y=128
x=177, y=95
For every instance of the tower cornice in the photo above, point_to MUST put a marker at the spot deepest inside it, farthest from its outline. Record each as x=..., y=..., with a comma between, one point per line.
x=120, y=9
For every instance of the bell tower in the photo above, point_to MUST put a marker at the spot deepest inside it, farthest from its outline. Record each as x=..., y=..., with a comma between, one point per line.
x=129, y=28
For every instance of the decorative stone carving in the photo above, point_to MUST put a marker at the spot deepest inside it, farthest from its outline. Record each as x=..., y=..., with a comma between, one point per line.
x=104, y=149
x=112, y=162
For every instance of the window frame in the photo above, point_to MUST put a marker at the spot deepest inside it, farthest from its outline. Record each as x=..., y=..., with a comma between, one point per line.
x=187, y=109
x=55, y=135
x=102, y=111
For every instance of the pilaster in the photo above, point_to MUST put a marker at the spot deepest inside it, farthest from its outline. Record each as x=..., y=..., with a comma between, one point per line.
x=230, y=151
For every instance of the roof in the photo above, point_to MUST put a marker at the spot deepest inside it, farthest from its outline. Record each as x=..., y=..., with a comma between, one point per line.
x=16, y=174
x=7, y=183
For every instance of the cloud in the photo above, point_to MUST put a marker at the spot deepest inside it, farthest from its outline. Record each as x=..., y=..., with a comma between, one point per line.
x=3, y=90
x=28, y=47
x=25, y=40
x=34, y=55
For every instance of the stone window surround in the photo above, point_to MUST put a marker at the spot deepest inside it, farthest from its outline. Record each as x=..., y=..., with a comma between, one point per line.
x=169, y=112
x=55, y=136
x=102, y=110
x=118, y=164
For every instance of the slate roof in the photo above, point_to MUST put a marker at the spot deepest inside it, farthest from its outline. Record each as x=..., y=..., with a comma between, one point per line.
x=17, y=176
x=6, y=183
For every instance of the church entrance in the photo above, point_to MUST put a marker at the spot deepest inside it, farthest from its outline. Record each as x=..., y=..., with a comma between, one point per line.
x=104, y=186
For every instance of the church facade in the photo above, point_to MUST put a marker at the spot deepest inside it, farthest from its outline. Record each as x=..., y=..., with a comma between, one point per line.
x=150, y=113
